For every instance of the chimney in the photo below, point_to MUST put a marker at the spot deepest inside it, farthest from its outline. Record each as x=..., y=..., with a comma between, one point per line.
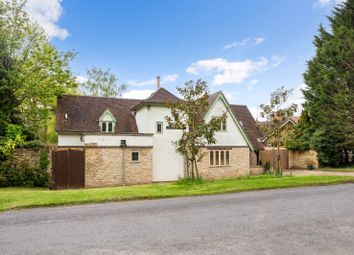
x=158, y=81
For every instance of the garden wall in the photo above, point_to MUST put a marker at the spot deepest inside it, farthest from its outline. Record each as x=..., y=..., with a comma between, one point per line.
x=301, y=159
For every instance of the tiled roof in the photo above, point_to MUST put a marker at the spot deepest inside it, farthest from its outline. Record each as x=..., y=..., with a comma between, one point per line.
x=83, y=113
x=249, y=125
x=160, y=96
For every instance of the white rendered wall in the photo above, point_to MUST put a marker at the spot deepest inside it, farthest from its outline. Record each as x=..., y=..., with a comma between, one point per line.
x=168, y=165
x=104, y=140
x=232, y=136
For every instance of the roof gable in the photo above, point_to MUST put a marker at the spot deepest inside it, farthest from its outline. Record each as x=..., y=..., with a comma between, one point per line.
x=213, y=98
x=107, y=116
x=161, y=96
x=248, y=124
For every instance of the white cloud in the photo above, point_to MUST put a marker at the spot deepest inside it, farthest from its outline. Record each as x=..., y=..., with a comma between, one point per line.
x=138, y=94
x=168, y=78
x=47, y=13
x=237, y=44
x=325, y=3
x=298, y=97
x=81, y=79
x=245, y=42
x=277, y=60
x=231, y=96
x=255, y=111
x=251, y=84
x=227, y=72
x=259, y=40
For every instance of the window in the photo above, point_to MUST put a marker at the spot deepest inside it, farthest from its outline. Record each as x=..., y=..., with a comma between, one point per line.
x=211, y=158
x=107, y=126
x=223, y=126
x=135, y=156
x=219, y=158
x=107, y=121
x=159, y=126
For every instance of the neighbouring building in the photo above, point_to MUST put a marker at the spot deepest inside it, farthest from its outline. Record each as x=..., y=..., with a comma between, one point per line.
x=127, y=141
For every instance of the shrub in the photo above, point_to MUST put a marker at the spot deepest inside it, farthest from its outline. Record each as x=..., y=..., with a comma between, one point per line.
x=267, y=167
x=23, y=177
x=190, y=181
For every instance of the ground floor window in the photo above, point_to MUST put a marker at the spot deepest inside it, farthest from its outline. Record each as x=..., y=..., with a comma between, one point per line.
x=219, y=158
x=135, y=156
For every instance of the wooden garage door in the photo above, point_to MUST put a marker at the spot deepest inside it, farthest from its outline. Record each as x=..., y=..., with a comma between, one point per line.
x=68, y=169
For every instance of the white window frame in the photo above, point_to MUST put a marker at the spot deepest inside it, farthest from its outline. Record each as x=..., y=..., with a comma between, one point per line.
x=222, y=125
x=156, y=127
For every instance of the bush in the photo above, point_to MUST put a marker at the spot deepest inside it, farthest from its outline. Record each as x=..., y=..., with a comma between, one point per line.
x=23, y=177
x=267, y=167
x=189, y=181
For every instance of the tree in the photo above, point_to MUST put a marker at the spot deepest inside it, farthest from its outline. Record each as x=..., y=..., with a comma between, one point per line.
x=188, y=115
x=300, y=137
x=330, y=94
x=276, y=112
x=33, y=73
x=102, y=83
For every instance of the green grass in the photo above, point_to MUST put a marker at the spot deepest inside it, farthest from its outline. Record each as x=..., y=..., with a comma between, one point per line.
x=13, y=198
x=344, y=169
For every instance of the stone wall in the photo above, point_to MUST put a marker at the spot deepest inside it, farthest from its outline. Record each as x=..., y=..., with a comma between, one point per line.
x=27, y=157
x=253, y=158
x=104, y=166
x=239, y=164
x=300, y=159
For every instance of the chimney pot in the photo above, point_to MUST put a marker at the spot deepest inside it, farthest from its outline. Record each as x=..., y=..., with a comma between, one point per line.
x=158, y=81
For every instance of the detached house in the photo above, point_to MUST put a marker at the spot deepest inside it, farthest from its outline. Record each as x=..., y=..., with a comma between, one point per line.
x=127, y=141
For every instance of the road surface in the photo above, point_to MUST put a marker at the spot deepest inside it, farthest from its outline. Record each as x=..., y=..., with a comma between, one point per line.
x=317, y=220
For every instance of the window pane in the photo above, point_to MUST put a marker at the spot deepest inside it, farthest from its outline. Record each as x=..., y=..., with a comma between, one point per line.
x=135, y=156
x=222, y=158
x=110, y=126
x=224, y=126
x=227, y=158
x=217, y=158
x=104, y=128
x=211, y=158
x=159, y=127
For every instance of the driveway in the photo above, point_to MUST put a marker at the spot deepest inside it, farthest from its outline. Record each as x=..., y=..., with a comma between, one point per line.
x=316, y=220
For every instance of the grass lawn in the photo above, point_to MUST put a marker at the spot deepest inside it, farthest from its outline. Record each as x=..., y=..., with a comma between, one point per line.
x=343, y=169
x=12, y=198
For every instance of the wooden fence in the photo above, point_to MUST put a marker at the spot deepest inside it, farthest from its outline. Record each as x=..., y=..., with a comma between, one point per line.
x=271, y=156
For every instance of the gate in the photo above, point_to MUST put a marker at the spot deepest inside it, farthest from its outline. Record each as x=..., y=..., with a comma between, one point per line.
x=271, y=156
x=68, y=168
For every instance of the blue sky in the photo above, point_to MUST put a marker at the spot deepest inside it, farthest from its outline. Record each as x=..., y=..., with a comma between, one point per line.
x=246, y=48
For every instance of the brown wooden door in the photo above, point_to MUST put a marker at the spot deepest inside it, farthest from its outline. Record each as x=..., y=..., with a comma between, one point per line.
x=68, y=169
x=75, y=169
x=271, y=156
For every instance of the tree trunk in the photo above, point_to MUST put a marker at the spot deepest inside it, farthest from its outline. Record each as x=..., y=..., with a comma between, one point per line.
x=196, y=169
x=278, y=171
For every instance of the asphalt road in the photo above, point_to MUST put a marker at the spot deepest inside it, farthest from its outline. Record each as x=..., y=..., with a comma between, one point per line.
x=318, y=220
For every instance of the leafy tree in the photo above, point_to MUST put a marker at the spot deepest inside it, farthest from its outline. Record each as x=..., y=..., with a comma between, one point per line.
x=276, y=112
x=330, y=93
x=187, y=115
x=32, y=72
x=102, y=83
x=300, y=137
x=13, y=137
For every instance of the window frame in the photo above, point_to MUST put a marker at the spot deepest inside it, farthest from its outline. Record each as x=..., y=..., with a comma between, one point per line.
x=132, y=157
x=156, y=127
x=219, y=158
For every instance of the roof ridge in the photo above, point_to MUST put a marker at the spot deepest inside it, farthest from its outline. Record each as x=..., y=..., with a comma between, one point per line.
x=115, y=98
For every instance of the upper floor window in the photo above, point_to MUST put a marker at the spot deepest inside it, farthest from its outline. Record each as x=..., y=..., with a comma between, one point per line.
x=107, y=121
x=107, y=126
x=159, y=127
x=223, y=125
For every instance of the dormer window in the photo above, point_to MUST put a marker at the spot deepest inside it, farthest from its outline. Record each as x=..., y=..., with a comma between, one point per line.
x=107, y=122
